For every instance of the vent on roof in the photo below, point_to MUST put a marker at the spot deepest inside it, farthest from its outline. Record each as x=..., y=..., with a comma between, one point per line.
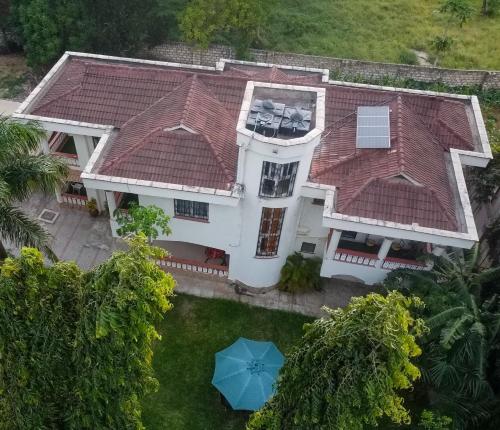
x=373, y=127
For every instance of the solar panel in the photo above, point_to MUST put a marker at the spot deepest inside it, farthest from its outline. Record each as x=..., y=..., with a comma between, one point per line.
x=373, y=127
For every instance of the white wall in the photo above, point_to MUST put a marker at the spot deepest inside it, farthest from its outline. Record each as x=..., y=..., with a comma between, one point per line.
x=369, y=275
x=310, y=229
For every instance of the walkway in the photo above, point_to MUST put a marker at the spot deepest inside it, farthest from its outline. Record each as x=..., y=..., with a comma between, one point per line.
x=88, y=241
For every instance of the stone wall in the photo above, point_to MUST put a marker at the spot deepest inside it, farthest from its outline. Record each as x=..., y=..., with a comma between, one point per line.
x=182, y=53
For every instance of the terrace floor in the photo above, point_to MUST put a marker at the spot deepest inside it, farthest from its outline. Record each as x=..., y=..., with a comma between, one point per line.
x=88, y=241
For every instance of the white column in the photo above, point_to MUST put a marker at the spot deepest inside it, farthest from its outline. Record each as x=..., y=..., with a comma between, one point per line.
x=45, y=146
x=110, y=197
x=383, y=251
x=332, y=246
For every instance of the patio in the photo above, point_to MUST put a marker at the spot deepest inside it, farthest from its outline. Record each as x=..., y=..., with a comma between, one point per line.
x=88, y=241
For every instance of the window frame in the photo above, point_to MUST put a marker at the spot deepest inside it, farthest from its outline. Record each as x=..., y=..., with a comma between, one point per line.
x=270, y=227
x=278, y=180
x=190, y=209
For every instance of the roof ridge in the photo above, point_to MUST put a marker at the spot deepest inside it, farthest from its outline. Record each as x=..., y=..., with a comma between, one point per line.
x=71, y=90
x=132, y=150
x=349, y=201
x=451, y=218
x=399, y=134
x=336, y=164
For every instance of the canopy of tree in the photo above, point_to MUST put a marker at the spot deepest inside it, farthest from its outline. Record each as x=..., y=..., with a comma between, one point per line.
x=75, y=347
x=347, y=370
x=460, y=362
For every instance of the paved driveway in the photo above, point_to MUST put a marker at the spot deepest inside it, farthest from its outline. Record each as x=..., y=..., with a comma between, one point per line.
x=76, y=235
x=7, y=107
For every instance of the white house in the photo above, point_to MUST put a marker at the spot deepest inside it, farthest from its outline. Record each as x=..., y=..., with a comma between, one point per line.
x=254, y=162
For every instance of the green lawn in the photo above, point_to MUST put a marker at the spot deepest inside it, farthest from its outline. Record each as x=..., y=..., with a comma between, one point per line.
x=184, y=360
x=380, y=30
x=377, y=30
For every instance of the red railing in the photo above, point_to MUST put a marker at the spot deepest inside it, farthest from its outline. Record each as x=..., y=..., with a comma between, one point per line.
x=74, y=200
x=194, y=266
x=393, y=263
x=355, y=257
x=70, y=159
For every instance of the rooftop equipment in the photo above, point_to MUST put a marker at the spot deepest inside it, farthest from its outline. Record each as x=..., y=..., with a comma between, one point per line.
x=373, y=129
x=277, y=120
x=265, y=117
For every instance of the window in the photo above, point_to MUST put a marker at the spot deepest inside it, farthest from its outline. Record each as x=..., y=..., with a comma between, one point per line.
x=189, y=209
x=308, y=248
x=270, y=231
x=318, y=202
x=95, y=141
x=277, y=179
x=348, y=234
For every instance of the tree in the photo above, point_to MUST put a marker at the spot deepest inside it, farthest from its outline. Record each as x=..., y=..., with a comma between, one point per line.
x=236, y=21
x=142, y=219
x=119, y=27
x=75, y=347
x=22, y=172
x=348, y=368
x=489, y=7
x=464, y=327
x=456, y=12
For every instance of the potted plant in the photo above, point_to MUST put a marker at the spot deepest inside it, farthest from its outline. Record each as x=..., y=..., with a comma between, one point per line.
x=92, y=207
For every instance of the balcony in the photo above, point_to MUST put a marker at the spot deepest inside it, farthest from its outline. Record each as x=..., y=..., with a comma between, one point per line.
x=194, y=258
x=63, y=146
x=74, y=195
x=370, y=258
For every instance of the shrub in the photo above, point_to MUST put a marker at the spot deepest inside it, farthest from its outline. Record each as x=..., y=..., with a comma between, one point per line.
x=408, y=57
x=300, y=274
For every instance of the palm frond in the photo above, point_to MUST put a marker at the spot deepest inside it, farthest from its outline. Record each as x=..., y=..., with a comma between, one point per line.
x=444, y=317
x=29, y=173
x=23, y=231
x=454, y=331
x=19, y=138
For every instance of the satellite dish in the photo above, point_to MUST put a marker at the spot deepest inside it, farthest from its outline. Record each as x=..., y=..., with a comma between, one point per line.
x=268, y=104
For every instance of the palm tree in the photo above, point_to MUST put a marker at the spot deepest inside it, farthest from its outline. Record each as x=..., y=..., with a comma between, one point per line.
x=463, y=327
x=23, y=172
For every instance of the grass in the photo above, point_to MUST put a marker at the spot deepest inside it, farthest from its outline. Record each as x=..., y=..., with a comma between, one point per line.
x=380, y=30
x=184, y=360
x=376, y=30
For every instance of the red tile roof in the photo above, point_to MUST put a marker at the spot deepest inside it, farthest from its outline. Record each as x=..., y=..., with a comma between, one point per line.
x=179, y=126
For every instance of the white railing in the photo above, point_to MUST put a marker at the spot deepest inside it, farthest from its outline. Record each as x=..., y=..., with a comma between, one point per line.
x=194, y=266
x=355, y=257
x=74, y=200
x=393, y=263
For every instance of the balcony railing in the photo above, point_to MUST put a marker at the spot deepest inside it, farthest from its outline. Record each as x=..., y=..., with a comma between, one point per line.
x=392, y=263
x=194, y=266
x=355, y=257
x=74, y=200
x=70, y=159
x=366, y=259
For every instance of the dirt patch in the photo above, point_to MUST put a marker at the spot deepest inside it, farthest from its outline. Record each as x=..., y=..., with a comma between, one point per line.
x=16, y=78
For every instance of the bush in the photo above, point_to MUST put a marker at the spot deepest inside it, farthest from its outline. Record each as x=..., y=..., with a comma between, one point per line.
x=300, y=274
x=408, y=57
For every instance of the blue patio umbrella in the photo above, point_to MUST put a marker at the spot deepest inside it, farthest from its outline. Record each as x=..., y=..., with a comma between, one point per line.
x=245, y=373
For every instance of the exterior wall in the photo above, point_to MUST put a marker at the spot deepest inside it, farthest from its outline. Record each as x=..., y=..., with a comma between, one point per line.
x=310, y=229
x=183, y=53
x=369, y=275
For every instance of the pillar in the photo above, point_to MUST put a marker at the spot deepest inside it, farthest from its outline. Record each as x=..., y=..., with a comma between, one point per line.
x=383, y=251
x=333, y=244
x=110, y=197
